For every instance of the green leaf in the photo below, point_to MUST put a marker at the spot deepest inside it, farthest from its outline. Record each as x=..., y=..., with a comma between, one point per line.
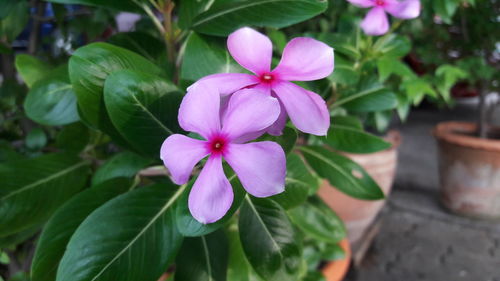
x=347, y=121
x=372, y=99
x=353, y=140
x=342, y=173
x=223, y=19
x=112, y=4
x=299, y=183
x=125, y=164
x=269, y=240
x=143, y=108
x=189, y=9
x=388, y=65
x=287, y=140
x=417, y=88
x=31, y=69
x=392, y=45
x=238, y=268
x=59, y=229
x=7, y=6
x=132, y=237
x=189, y=226
x=89, y=66
x=12, y=240
x=317, y=220
x=7, y=152
x=36, y=139
x=52, y=102
x=344, y=72
x=15, y=22
x=33, y=189
x=203, y=258
x=141, y=43
x=204, y=56
x=73, y=137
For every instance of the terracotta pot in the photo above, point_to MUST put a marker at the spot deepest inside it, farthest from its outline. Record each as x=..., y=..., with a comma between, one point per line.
x=469, y=170
x=336, y=270
x=359, y=214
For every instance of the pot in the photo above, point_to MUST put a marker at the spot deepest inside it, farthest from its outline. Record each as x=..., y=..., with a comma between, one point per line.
x=469, y=170
x=336, y=270
x=359, y=214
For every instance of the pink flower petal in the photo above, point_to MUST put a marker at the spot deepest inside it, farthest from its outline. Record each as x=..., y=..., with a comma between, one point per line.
x=212, y=194
x=228, y=83
x=407, y=9
x=276, y=129
x=179, y=154
x=260, y=166
x=308, y=112
x=375, y=22
x=199, y=110
x=362, y=3
x=249, y=111
x=305, y=59
x=251, y=49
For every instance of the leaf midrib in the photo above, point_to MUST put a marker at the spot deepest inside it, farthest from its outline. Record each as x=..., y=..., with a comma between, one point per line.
x=207, y=258
x=333, y=165
x=243, y=6
x=44, y=180
x=167, y=205
x=149, y=113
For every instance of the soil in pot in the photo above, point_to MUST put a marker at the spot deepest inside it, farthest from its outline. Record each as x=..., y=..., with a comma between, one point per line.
x=469, y=170
x=359, y=214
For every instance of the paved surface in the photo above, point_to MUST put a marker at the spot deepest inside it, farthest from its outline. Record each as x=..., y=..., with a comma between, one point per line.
x=419, y=239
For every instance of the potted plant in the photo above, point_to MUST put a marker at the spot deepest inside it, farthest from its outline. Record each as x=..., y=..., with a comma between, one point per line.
x=467, y=151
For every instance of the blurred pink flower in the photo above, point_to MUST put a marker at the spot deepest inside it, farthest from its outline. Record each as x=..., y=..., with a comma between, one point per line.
x=304, y=59
x=260, y=166
x=376, y=22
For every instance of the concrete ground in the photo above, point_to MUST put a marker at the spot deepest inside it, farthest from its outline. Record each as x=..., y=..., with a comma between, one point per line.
x=419, y=239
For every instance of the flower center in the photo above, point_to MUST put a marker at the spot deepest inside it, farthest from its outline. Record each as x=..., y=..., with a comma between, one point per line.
x=380, y=2
x=266, y=78
x=217, y=145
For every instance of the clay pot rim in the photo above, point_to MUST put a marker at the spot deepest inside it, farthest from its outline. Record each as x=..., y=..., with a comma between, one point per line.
x=452, y=132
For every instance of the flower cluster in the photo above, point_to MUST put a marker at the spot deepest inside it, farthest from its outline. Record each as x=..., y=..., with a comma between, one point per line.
x=376, y=22
x=229, y=110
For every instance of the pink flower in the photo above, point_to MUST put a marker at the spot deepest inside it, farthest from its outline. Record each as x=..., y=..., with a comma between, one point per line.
x=260, y=166
x=376, y=22
x=304, y=59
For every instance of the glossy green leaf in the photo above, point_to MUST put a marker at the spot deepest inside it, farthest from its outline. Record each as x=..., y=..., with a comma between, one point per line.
x=342, y=173
x=143, y=108
x=59, y=229
x=203, y=258
x=189, y=226
x=347, y=121
x=392, y=45
x=141, y=43
x=31, y=69
x=317, y=220
x=8, y=153
x=204, y=56
x=33, y=189
x=189, y=9
x=238, y=268
x=52, y=102
x=387, y=66
x=299, y=183
x=269, y=240
x=12, y=240
x=73, y=137
x=89, y=66
x=125, y=164
x=353, y=140
x=132, y=237
x=7, y=6
x=223, y=19
x=344, y=72
x=14, y=23
x=372, y=99
x=112, y=4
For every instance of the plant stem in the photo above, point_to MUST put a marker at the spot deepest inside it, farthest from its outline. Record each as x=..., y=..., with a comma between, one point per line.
x=169, y=32
x=33, y=40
